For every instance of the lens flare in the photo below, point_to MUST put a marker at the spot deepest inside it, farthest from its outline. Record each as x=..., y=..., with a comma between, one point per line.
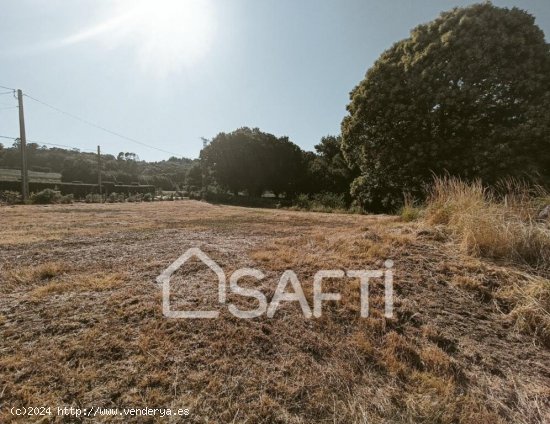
x=166, y=35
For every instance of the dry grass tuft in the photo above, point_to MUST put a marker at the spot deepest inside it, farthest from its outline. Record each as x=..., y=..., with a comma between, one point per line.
x=492, y=223
x=410, y=211
x=38, y=273
x=436, y=360
x=399, y=355
x=532, y=310
x=94, y=283
x=474, y=285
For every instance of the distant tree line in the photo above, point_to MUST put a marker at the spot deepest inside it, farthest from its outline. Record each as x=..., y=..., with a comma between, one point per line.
x=246, y=162
x=73, y=165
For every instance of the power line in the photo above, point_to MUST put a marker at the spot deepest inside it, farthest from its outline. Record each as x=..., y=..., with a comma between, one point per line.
x=6, y=92
x=78, y=118
x=62, y=145
x=7, y=88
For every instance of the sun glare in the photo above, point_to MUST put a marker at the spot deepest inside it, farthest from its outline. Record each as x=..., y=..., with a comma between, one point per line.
x=166, y=35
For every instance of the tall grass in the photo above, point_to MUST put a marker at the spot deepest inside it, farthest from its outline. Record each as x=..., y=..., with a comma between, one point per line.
x=502, y=223
x=532, y=309
x=497, y=223
x=410, y=210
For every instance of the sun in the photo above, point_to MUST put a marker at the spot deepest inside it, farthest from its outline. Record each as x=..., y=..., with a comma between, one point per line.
x=166, y=35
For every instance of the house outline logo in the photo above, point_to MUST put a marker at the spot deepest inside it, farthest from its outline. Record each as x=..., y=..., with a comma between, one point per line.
x=281, y=294
x=164, y=279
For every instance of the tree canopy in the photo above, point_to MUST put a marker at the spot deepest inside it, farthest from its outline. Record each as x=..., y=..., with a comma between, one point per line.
x=467, y=94
x=253, y=161
x=328, y=170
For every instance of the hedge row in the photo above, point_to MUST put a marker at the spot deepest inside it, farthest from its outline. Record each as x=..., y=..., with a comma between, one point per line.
x=78, y=189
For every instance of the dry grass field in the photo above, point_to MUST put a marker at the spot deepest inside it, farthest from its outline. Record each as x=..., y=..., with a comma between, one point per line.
x=81, y=321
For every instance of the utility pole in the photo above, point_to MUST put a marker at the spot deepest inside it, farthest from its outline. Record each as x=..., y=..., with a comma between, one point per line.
x=23, y=145
x=99, y=173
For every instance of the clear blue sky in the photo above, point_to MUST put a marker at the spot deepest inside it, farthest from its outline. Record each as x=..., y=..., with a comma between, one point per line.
x=168, y=72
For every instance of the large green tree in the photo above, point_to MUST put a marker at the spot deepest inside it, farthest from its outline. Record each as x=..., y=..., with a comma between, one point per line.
x=467, y=94
x=253, y=161
x=328, y=170
x=194, y=177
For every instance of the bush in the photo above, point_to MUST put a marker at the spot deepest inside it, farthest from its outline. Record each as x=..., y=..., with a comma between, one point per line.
x=329, y=201
x=147, y=197
x=137, y=197
x=93, y=198
x=303, y=202
x=10, y=197
x=492, y=223
x=321, y=202
x=195, y=195
x=46, y=197
x=67, y=199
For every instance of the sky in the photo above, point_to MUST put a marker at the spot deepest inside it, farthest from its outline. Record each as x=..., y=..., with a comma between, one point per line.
x=168, y=72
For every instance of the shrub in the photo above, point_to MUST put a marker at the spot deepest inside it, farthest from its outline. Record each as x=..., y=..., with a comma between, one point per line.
x=329, y=201
x=147, y=197
x=93, y=198
x=303, y=202
x=195, y=195
x=10, y=197
x=67, y=199
x=136, y=197
x=46, y=197
x=321, y=202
